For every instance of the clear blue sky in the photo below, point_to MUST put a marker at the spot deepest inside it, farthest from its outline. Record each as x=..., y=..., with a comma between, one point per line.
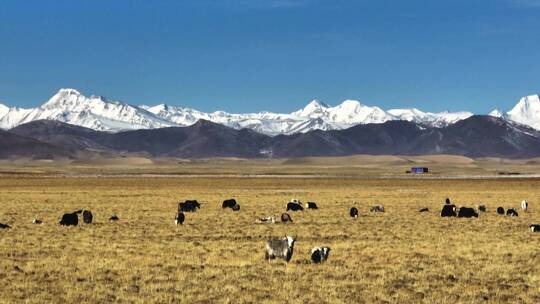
x=253, y=55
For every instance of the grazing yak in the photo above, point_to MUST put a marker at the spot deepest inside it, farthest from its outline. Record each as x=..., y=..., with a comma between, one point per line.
x=448, y=210
x=179, y=219
x=319, y=254
x=266, y=219
x=189, y=206
x=467, y=212
x=294, y=205
x=236, y=207
x=524, y=206
x=280, y=248
x=114, y=218
x=511, y=212
x=70, y=219
x=500, y=210
x=286, y=218
x=481, y=208
x=353, y=212
x=37, y=222
x=4, y=226
x=311, y=205
x=87, y=217
x=423, y=210
x=377, y=208
x=228, y=203
x=535, y=228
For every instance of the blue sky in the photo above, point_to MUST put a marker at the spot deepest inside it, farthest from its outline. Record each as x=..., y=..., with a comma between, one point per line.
x=276, y=55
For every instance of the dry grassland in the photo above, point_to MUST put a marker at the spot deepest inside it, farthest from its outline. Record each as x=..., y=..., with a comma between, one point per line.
x=400, y=256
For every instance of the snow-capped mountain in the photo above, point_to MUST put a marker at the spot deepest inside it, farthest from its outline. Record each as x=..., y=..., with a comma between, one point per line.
x=439, y=120
x=95, y=112
x=526, y=111
x=100, y=113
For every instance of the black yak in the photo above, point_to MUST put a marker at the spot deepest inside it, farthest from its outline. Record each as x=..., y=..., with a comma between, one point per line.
x=467, y=212
x=70, y=219
x=448, y=210
x=353, y=212
x=229, y=203
x=319, y=254
x=189, y=206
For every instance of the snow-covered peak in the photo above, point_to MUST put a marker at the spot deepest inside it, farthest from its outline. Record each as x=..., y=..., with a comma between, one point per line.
x=440, y=119
x=526, y=111
x=350, y=105
x=496, y=113
x=64, y=98
x=527, y=106
x=96, y=112
x=352, y=112
x=68, y=91
x=407, y=114
x=314, y=108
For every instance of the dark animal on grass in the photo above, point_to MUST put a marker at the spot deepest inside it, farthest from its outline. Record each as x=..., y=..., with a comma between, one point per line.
x=280, y=248
x=286, y=218
x=229, y=203
x=294, y=205
x=535, y=228
x=4, y=226
x=37, y=222
x=353, y=212
x=423, y=210
x=481, y=208
x=114, y=218
x=189, y=206
x=319, y=254
x=448, y=210
x=87, y=217
x=311, y=205
x=377, y=208
x=70, y=219
x=467, y=212
x=179, y=219
x=236, y=207
x=500, y=210
x=511, y=212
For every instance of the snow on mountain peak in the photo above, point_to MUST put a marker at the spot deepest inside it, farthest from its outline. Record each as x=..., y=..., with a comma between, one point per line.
x=526, y=111
x=68, y=91
x=527, y=104
x=314, y=108
x=100, y=113
x=496, y=113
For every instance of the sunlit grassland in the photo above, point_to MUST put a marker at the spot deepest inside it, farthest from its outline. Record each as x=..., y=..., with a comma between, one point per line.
x=400, y=256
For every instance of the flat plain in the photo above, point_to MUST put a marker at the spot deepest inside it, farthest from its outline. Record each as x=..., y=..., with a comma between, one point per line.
x=217, y=256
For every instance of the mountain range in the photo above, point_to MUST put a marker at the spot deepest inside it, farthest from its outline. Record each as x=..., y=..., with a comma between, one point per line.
x=476, y=136
x=102, y=114
x=71, y=125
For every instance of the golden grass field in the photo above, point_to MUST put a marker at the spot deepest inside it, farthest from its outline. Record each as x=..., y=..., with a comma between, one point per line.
x=217, y=256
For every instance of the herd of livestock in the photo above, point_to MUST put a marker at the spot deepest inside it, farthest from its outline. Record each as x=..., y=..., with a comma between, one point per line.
x=283, y=248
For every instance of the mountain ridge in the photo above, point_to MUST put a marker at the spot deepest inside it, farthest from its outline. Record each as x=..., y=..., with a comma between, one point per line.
x=104, y=114
x=476, y=136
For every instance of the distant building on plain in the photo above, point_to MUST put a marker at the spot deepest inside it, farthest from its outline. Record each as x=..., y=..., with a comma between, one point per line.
x=419, y=170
